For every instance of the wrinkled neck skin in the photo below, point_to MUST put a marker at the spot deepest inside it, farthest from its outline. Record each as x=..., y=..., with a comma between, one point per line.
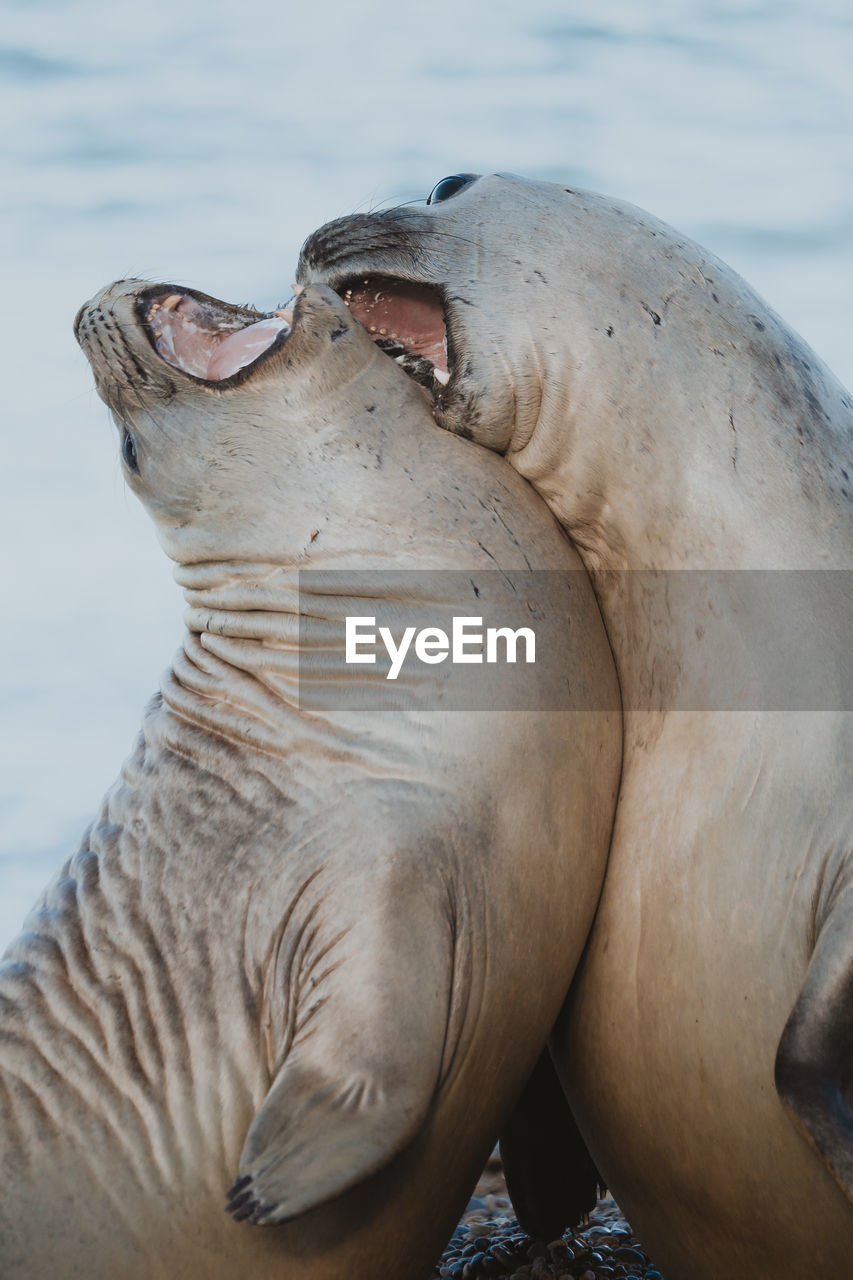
x=240, y=674
x=247, y=670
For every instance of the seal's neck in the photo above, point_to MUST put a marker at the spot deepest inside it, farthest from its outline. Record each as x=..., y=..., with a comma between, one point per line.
x=682, y=425
x=262, y=660
x=708, y=440
x=680, y=484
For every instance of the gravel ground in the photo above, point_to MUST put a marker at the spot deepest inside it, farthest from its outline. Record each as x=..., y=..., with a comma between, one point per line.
x=489, y=1242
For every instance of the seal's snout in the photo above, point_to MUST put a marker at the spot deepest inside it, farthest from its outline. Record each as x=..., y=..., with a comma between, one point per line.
x=107, y=311
x=107, y=299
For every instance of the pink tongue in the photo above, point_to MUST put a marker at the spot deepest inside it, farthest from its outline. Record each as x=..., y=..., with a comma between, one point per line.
x=242, y=347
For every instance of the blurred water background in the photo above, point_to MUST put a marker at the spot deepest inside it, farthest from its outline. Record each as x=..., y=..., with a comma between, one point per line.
x=200, y=142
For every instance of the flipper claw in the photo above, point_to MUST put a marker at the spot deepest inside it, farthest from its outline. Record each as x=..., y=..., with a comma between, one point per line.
x=247, y=1213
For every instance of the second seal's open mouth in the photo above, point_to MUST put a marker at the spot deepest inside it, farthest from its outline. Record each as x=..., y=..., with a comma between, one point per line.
x=406, y=321
x=206, y=338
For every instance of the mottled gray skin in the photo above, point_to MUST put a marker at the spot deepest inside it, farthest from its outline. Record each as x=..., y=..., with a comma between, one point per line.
x=672, y=421
x=316, y=952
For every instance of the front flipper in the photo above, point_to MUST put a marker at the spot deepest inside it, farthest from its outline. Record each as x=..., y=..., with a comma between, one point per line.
x=362, y=1062
x=550, y=1176
x=814, y=1062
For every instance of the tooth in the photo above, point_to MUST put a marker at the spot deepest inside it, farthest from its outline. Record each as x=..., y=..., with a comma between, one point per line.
x=373, y=328
x=393, y=335
x=441, y=376
x=169, y=304
x=383, y=332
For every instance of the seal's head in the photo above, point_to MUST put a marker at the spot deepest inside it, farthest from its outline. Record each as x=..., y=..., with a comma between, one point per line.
x=638, y=382
x=225, y=413
x=518, y=293
x=450, y=292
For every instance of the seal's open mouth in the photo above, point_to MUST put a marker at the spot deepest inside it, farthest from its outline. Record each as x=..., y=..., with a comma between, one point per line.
x=406, y=321
x=208, y=339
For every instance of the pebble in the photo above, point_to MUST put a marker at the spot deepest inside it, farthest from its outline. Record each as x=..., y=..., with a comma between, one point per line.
x=488, y=1242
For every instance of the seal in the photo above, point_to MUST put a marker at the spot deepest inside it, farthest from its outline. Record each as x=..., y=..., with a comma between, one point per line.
x=314, y=941
x=673, y=422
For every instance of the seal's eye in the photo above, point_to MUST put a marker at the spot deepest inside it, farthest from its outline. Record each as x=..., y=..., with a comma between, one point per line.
x=128, y=451
x=450, y=186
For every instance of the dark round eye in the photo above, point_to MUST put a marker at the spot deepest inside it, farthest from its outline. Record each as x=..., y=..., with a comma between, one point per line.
x=128, y=451
x=450, y=186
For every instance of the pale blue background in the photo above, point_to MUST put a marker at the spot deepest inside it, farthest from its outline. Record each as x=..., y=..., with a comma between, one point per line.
x=199, y=141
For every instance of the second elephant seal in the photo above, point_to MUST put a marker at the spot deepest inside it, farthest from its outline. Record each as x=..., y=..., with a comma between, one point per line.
x=674, y=423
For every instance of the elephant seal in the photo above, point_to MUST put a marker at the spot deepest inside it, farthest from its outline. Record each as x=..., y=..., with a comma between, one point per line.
x=672, y=422
x=313, y=952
